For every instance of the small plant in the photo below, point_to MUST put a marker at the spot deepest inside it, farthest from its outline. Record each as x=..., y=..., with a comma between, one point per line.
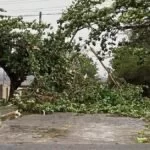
x=3, y=102
x=143, y=137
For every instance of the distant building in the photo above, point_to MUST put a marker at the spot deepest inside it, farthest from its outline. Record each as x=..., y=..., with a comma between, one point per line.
x=4, y=91
x=5, y=84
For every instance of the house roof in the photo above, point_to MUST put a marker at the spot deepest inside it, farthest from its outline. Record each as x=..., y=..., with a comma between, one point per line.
x=4, y=79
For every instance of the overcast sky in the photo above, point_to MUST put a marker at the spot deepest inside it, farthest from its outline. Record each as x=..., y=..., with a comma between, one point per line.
x=51, y=10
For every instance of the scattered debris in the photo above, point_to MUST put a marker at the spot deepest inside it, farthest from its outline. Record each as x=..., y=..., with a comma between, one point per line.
x=10, y=115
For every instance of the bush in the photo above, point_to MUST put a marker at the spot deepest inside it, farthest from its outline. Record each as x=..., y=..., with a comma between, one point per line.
x=96, y=98
x=72, y=88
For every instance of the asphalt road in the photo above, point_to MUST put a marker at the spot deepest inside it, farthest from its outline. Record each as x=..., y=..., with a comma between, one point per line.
x=74, y=147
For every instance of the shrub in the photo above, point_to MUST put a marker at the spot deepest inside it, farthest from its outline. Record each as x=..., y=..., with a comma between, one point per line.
x=96, y=98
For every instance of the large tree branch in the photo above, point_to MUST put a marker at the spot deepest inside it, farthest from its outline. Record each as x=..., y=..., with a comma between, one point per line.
x=77, y=30
x=137, y=26
x=109, y=73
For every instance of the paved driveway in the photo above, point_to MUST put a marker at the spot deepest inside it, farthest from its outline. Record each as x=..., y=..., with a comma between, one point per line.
x=74, y=147
x=69, y=128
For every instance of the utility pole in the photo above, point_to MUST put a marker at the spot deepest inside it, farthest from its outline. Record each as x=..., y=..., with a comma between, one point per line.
x=40, y=17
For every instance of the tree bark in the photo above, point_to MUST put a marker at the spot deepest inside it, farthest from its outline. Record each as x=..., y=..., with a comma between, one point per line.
x=109, y=73
x=13, y=87
x=15, y=78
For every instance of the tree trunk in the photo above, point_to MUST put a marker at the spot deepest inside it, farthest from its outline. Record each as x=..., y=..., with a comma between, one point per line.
x=15, y=79
x=12, y=90
x=109, y=73
x=13, y=87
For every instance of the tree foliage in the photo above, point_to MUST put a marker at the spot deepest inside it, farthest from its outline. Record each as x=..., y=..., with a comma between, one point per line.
x=105, y=23
x=68, y=75
x=128, y=66
x=65, y=79
x=15, y=48
x=24, y=49
x=129, y=15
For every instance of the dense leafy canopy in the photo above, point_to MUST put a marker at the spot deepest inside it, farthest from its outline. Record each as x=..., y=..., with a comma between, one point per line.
x=106, y=20
x=100, y=17
x=27, y=49
x=17, y=43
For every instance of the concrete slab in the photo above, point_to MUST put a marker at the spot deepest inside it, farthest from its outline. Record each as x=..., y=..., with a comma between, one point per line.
x=75, y=147
x=69, y=128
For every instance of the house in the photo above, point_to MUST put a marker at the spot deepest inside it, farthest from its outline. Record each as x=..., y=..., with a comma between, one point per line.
x=4, y=91
x=5, y=85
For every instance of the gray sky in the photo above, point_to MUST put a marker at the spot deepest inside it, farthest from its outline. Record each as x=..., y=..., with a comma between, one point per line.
x=33, y=7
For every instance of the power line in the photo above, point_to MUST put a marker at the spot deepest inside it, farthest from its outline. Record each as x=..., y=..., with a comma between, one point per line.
x=36, y=10
x=18, y=2
x=54, y=7
x=46, y=9
x=34, y=15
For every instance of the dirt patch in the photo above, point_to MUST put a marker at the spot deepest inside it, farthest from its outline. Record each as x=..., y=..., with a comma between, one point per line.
x=70, y=128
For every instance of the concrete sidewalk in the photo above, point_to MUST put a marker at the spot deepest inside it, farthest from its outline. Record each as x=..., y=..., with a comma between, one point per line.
x=69, y=128
x=74, y=147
